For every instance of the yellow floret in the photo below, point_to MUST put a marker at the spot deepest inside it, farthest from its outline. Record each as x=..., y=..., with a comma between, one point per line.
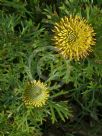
x=73, y=37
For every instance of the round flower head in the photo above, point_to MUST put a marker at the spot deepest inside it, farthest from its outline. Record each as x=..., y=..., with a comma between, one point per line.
x=73, y=37
x=36, y=93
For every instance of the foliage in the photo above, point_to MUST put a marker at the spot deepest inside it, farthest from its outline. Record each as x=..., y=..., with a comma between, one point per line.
x=27, y=53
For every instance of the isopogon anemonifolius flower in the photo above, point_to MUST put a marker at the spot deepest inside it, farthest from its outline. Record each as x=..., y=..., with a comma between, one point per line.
x=36, y=94
x=73, y=37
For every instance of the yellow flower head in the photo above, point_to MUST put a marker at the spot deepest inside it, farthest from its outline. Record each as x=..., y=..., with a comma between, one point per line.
x=36, y=93
x=73, y=37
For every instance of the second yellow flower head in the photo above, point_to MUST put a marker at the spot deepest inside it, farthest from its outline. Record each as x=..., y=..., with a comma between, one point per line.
x=35, y=94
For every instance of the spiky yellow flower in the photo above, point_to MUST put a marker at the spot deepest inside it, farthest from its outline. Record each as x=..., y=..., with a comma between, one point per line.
x=36, y=94
x=73, y=37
